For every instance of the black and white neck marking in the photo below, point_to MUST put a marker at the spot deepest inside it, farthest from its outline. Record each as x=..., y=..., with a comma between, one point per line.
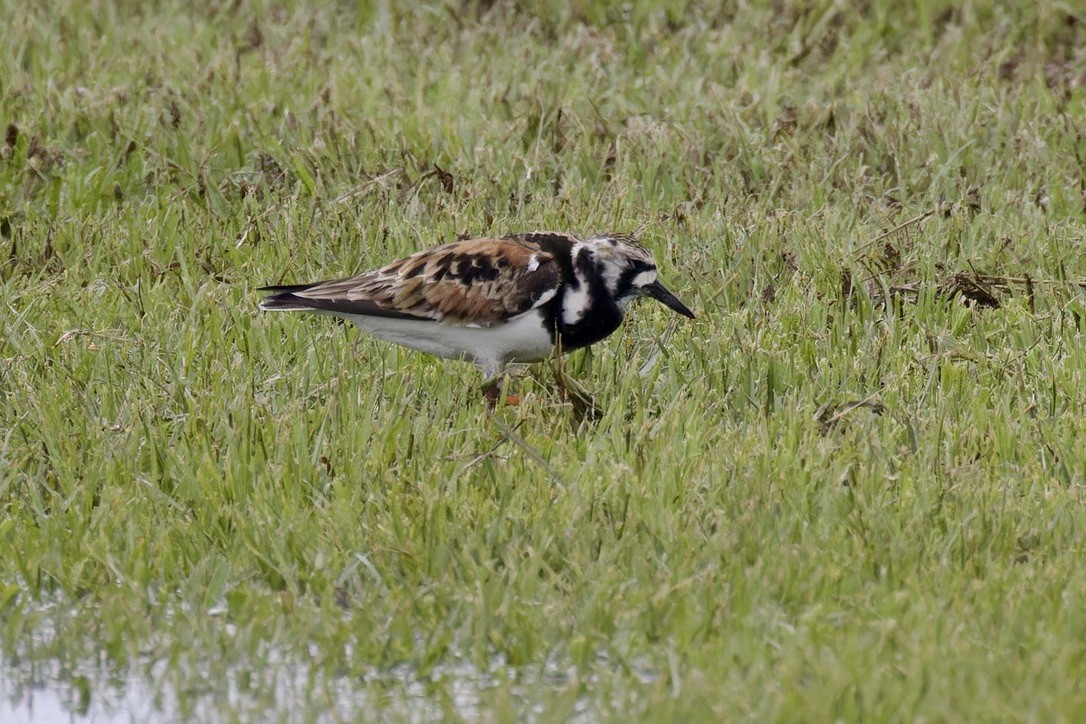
x=603, y=275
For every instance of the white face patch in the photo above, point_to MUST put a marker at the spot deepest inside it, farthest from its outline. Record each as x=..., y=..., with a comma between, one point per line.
x=644, y=279
x=533, y=262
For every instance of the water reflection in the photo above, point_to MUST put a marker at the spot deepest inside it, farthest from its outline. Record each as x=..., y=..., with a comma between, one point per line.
x=42, y=692
x=41, y=681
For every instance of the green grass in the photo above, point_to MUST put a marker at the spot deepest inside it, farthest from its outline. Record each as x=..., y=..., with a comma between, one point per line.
x=248, y=514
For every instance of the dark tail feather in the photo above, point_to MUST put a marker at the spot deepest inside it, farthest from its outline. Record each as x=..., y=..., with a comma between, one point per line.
x=282, y=299
x=287, y=288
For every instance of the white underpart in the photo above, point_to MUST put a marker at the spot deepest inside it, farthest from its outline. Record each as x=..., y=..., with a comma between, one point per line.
x=521, y=339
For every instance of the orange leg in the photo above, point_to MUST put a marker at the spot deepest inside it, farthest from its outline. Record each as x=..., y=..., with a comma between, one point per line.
x=492, y=391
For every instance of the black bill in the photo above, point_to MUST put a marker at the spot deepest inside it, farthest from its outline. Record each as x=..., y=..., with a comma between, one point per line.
x=660, y=293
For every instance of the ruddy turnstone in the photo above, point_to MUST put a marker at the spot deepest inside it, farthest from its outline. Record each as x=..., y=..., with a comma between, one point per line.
x=493, y=301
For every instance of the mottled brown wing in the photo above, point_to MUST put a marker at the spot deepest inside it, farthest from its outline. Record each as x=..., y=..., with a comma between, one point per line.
x=478, y=282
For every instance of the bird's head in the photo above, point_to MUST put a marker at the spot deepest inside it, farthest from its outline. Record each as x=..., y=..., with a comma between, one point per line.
x=628, y=271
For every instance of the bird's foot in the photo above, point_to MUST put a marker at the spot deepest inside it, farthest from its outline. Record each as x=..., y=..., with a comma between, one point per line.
x=492, y=390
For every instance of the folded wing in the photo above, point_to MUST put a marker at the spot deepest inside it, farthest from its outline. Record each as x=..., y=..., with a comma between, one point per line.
x=477, y=282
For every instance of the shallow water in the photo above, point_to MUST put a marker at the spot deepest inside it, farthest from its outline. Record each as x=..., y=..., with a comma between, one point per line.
x=40, y=691
x=41, y=681
x=40, y=694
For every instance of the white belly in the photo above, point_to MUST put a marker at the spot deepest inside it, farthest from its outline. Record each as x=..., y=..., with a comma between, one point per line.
x=522, y=339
